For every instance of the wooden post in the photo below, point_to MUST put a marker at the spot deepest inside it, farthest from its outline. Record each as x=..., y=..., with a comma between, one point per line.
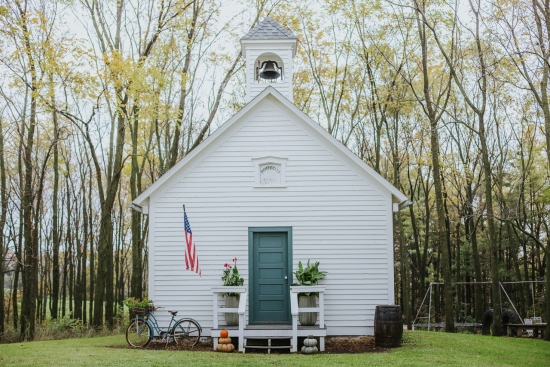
x=215, y=316
x=322, y=319
x=215, y=310
x=294, y=311
x=242, y=310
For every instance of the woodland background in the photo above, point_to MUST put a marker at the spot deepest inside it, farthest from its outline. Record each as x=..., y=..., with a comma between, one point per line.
x=448, y=100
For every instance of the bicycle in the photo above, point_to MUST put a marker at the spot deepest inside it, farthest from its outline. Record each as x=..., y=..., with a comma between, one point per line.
x=144, y=328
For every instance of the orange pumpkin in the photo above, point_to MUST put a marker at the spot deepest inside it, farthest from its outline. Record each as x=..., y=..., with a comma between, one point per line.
x=224, y=333
x=224, y=340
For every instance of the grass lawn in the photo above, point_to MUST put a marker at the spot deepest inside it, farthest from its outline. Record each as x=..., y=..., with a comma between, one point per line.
x=421, y=348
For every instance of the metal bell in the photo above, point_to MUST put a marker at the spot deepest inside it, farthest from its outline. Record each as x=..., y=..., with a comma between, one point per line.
x=269, y=72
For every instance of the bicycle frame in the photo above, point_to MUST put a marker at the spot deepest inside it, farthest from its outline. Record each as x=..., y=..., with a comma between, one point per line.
x=164, y=334
x=153, y=323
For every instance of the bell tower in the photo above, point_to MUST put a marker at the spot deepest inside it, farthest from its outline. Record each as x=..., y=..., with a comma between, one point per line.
x=268, y=50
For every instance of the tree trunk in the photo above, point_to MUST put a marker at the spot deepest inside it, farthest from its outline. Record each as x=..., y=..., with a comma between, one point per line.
x=3, y=212
x=472, y=235
x=547, y=295
x=55, y=228
x=137, y=240
x=84, y=261
x=442, y=233
x=65, y=276
x=30, y=269
x=91, y=238
x=405, y=280
x=77, y=284
x=493, y=246
x=458, y=274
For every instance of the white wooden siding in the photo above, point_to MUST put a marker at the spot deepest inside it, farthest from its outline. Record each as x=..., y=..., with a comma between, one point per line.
x=337, y=218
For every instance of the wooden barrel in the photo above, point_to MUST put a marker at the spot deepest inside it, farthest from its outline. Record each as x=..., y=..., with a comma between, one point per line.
x=388, y=326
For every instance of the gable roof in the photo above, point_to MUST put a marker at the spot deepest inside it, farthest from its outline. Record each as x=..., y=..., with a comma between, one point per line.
x=268, y=29
x=308, y=120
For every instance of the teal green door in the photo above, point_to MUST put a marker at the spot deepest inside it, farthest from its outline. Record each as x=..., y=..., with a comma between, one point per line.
x=269, y=283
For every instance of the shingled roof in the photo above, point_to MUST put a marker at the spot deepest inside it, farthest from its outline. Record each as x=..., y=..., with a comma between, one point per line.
x=268, y=29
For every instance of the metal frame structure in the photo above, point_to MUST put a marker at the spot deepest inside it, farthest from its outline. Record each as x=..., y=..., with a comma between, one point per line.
x=430, y=291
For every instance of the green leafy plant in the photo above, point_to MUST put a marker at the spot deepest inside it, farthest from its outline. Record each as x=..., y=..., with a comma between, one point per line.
x=309, y=275
x=132, y=303
x=231, y=277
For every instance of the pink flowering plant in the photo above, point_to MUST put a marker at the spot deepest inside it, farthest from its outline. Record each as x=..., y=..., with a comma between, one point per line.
x=231, y=277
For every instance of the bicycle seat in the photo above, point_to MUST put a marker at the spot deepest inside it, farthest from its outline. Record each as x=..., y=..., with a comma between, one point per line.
x=174, y=313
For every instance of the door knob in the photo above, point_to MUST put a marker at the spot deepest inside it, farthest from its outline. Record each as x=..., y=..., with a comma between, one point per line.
x=286, y=277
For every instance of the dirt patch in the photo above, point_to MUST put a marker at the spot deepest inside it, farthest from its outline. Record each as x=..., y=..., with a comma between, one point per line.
x=333, y=345
x=353, y=345
x=202, y=346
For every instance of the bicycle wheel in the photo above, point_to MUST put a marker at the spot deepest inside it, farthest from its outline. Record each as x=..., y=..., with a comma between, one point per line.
x=138, y=333
x=186, y=333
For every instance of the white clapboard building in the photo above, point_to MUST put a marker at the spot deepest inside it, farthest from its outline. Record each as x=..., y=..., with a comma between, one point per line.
x=271, y=187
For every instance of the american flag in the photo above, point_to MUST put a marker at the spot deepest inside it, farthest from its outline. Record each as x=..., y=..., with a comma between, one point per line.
x=191, y=258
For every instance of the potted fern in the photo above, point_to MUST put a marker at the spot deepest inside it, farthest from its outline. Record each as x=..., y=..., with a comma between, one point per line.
x=308, y=276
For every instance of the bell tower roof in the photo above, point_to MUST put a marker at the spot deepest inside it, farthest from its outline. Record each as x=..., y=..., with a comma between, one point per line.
x=268, y=29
